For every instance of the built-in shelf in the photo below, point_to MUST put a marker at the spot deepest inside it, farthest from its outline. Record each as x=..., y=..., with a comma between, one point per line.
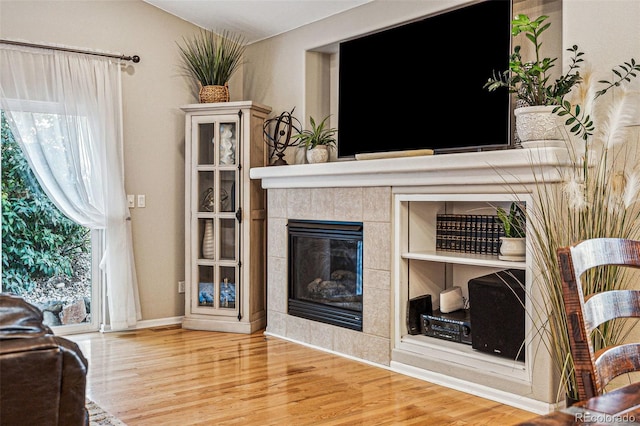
x=464, y=259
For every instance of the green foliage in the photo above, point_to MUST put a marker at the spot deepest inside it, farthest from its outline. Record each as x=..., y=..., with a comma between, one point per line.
x=37, y=240
x=529, y=80
x=577, y=119
x=514, y=222
x=212, y=58
x=531, y=84
x=318, y=135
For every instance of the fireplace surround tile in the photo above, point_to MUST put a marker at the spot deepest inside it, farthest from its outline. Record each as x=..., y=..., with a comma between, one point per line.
x=277, y=273
x=277, y=203
x=322, y=202
x=377, y=245
x=348, y=203
x=376, y=321
x=299, y=203
x=376, y=205
x=336, y=204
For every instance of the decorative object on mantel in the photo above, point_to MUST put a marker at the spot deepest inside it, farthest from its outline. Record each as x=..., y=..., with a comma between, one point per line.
x=277, y=135
x=394, y=154
x=211, y=59
x=513, y=244
x=318, y=140
x=598, y=197
x=530, y=82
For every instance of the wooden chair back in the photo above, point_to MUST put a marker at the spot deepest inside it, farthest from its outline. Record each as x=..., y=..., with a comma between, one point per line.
x=595, y=369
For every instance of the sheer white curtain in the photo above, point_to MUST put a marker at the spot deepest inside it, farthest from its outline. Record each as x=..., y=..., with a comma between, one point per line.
x=65, y=110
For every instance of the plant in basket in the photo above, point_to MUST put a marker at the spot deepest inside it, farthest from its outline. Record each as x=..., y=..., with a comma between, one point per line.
x=211, y=59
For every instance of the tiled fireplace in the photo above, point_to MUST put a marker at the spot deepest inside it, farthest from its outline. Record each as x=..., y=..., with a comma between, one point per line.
x=370, y=206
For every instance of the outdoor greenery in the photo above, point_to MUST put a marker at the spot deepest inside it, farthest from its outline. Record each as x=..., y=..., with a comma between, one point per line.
x=318, y=135
x=212, y=58
x=37, y=240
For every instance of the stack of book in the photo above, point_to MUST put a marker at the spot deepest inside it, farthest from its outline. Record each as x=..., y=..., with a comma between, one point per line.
x=468, y=233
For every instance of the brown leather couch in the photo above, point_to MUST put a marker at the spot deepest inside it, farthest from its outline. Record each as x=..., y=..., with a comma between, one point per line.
x=42, y=376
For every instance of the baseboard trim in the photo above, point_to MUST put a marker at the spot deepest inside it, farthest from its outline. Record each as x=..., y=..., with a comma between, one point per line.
x=159, y=322
x=513, y=400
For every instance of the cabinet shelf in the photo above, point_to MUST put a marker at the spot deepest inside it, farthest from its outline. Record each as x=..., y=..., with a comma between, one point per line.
x=463, y=259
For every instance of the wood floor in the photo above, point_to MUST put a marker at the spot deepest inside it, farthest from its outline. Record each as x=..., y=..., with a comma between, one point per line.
x=171, y=376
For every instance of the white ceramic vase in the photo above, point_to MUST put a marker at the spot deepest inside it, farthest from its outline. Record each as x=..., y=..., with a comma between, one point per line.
x=208, y=243
x=538, y=123
x=319, y=154
x=513, y=249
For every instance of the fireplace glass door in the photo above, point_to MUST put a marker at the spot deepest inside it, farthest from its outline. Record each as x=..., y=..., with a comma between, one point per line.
x=325, y=272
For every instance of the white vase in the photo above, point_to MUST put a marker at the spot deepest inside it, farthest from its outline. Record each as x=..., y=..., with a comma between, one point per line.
x=538, y=123
x=319, y=154
x=208, y=243
x=513, y=249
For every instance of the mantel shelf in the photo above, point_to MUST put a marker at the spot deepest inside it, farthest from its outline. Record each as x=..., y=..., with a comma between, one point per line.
x=506, y=167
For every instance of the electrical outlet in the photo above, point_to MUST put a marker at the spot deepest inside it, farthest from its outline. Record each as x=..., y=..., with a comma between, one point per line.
x=142, y=200
x=180, y=286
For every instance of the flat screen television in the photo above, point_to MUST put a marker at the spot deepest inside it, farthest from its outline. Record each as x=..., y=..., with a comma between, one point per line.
x=420, y=85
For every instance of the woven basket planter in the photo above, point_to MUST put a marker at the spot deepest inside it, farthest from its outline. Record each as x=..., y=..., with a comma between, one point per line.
x=210, y=94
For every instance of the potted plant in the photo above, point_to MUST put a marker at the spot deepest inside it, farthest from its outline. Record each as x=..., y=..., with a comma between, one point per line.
x=513, y=243
x=542, y=100
x=211, y=59
x=318, y=140
x=531, y=82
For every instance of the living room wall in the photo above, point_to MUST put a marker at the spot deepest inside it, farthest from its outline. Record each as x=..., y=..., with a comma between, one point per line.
x=275, y=74
x=278, y=70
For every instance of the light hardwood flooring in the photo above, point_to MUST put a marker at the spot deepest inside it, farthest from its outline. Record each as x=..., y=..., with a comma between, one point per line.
x=171, y=376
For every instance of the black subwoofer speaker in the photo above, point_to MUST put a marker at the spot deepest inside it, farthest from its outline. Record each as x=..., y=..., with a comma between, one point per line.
x=497, y=313
x=416, y=307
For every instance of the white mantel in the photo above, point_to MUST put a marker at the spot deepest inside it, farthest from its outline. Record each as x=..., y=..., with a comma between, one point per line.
x=513, y=166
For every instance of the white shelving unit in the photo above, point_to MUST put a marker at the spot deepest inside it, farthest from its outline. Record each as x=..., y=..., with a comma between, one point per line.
x=421, y=269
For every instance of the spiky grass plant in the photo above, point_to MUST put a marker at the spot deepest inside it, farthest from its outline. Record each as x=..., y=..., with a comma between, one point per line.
x=212, y=58
x=598, y=197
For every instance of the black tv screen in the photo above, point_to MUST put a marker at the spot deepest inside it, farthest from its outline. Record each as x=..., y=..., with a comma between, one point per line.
x=420, y=85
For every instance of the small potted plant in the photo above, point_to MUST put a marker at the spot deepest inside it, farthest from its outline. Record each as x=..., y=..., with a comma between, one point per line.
x=211, y=59
x=514, y=224
x=318, y=140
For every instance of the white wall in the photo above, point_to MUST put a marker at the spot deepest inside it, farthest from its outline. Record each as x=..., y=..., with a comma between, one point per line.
x=153, y=90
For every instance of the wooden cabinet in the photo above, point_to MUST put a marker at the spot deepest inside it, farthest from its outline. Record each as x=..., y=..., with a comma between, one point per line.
x=225, y=217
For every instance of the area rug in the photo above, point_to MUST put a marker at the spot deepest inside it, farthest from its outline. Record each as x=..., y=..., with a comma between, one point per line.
x=100, y=417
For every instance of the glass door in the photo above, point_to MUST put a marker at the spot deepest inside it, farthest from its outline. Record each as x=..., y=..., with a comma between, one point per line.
x=216, y=215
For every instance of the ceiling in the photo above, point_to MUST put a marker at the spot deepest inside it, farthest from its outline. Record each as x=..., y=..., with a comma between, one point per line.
x=254, y=20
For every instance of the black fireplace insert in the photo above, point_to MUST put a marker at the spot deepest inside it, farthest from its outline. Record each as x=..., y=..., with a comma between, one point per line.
x=325, y=272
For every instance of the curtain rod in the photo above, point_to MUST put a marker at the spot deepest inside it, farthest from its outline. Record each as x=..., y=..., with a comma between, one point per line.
x=134, y=58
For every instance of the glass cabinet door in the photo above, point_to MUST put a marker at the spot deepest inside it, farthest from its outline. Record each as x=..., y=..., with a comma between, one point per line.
x=215, y=204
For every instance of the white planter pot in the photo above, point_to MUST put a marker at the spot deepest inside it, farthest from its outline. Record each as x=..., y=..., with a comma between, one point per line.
x=319, y=154
x=513, y=248
x=538, y=123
